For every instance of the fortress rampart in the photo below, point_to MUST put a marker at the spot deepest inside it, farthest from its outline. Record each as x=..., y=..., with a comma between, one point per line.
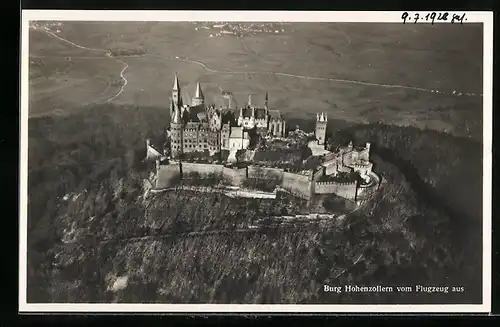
x=304, y=183
x=202, y=169
x=299, y=184
x=262, y=172
x=345, y=190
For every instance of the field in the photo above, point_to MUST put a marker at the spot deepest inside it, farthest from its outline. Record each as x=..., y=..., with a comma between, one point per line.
x=404, y=75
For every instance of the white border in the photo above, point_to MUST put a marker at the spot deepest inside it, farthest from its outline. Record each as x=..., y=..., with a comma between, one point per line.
x=254, y=16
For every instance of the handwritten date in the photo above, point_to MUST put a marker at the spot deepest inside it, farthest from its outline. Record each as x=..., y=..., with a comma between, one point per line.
x=433, y=17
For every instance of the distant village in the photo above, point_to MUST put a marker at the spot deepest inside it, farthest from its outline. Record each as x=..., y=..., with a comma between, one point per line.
x=233, y=146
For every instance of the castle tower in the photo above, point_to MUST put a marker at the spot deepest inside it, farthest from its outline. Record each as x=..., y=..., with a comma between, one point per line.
x=249, y=100
x=198, y=98
x=321, y=122
x=266, y=101
x=176, y=133
x=176, y=96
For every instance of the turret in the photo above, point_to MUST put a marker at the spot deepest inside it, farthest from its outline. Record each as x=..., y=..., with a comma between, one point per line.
x=349, y=146
x=266, y=101
x=240, y=117
x=249, y=100
x=177, y=119
x=176, y=96
x=198, y=98
x=176, y=134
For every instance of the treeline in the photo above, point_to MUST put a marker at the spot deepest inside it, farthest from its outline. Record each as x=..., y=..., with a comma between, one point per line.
x=126, y=52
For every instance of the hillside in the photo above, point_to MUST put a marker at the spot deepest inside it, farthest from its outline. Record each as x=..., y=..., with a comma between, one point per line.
x=90, y=223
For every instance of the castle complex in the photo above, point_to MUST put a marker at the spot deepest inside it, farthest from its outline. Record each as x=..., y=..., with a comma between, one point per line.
x=198, y=127
x=201, y=128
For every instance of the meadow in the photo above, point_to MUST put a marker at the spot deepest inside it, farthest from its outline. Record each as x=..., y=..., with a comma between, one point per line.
x=292, y=66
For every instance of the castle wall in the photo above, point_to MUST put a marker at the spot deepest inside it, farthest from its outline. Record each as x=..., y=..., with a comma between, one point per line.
x=167, y=176
x=202, y=169
x=234, y=176
x=298, y=184
x=265, y=173
x=345, y=190
x=318, y=173
x=304, y=185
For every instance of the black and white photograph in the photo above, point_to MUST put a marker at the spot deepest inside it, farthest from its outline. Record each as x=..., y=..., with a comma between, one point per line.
x=255, y=161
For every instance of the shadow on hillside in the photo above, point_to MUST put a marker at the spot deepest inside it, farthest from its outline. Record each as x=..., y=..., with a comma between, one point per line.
x=425, y=192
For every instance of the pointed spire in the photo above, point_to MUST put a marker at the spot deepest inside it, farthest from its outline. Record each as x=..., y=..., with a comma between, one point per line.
x=199, y=93
x=266, y=100
x=176, y=83
x=249, y=100
x=317, y=116
x=325, y=117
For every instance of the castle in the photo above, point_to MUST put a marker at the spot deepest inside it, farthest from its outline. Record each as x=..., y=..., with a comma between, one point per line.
x=198, y=127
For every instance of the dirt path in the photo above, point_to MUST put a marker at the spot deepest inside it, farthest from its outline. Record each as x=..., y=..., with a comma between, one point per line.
x=123, y=78
x=104, y=51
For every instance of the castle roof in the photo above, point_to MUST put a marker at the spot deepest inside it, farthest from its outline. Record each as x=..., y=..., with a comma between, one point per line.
x=260, y=113
x=246, y=112
x=228, y=117
x=195, y=114
x=275, y=114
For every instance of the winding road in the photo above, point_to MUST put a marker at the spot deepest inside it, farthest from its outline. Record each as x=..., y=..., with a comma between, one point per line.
x=211, y=70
